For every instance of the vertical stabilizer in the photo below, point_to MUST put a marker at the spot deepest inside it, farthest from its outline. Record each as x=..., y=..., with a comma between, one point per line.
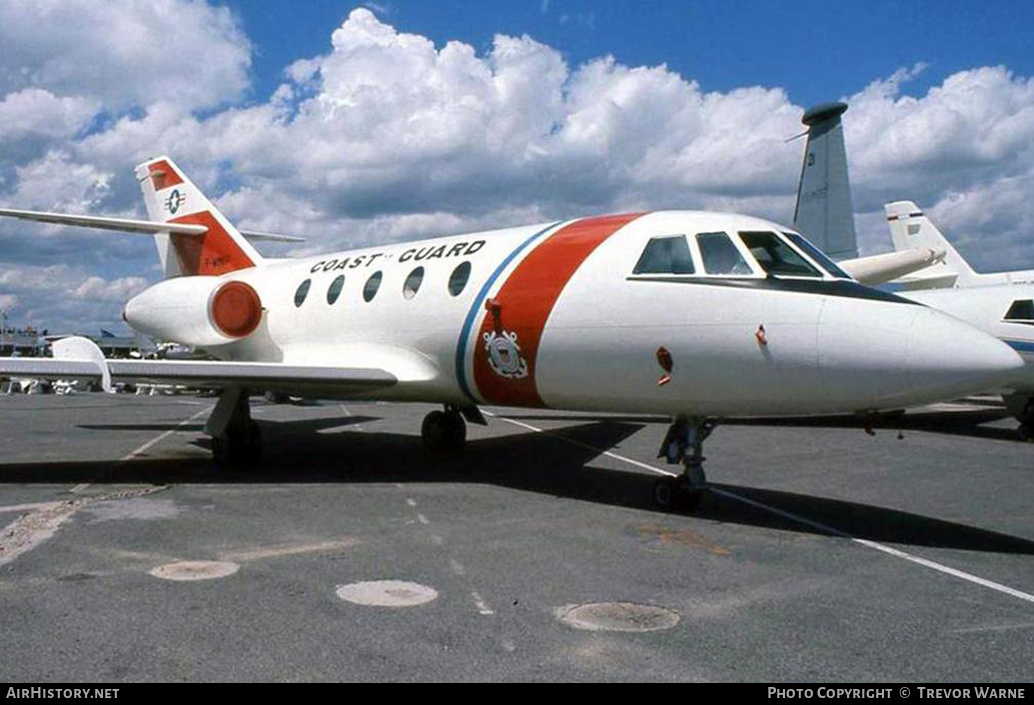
x=823, y=213
x=171, y=197
x=910, y=228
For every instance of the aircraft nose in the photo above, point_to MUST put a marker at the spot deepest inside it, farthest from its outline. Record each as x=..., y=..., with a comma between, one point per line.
x=948, y=357
x=890, y=355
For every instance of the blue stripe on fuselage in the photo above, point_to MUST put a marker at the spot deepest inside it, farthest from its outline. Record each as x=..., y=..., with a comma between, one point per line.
x=1019, y=345
x=461, y=344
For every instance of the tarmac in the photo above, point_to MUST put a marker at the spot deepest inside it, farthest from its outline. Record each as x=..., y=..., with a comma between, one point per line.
x=822, y=553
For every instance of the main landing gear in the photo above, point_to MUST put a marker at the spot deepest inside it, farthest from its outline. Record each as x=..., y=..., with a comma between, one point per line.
x=684, y=443
x=236, y=438
x=444, y=432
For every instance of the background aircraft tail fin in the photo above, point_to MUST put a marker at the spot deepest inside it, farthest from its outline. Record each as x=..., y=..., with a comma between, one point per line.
x=171, y=197
x=823, y=213
x=910, y=228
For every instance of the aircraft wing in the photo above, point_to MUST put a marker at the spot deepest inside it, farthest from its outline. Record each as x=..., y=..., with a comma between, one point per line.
x=882, y=268
x=256, y=376
x=129, y=225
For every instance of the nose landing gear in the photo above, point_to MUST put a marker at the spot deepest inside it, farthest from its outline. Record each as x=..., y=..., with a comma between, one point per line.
x=444, y=432
x=684, y=443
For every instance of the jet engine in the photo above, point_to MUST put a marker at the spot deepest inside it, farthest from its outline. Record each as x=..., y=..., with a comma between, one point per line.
x=200, y=310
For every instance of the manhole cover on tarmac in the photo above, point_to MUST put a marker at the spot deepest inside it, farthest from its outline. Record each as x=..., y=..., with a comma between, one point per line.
x=195, y=570
x=618, y=617
x=387, y=593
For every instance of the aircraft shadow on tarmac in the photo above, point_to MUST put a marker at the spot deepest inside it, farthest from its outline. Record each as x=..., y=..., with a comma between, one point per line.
x=969, y=422
x=557, y=464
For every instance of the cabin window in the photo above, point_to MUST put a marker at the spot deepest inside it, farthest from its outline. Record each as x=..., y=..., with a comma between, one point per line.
x=412, y=283
x=372, y=285
x=720, y=255
x=665, y=255
x=458, y=278
x=301, y=292
x=1021, y=310
x=818, y=255
x=334, y=290
x=776, y=257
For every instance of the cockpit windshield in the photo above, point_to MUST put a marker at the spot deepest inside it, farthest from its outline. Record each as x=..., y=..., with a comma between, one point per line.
x=776, y=257
x=818, y=255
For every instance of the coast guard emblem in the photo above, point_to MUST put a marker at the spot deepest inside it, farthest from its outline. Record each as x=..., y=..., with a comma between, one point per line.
x=504, y=355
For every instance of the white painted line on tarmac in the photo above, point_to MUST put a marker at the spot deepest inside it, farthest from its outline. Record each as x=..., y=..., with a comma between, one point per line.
x=27, y=507
x=422, y=519
x=933, y=565
x=30, y=530
x=410, y=501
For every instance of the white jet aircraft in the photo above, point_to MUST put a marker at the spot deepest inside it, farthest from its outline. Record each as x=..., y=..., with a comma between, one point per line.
x=695, y=315
x=999, y=303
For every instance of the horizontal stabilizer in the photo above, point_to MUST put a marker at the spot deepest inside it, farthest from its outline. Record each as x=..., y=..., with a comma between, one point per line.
x=269, y=237
x=126, y=225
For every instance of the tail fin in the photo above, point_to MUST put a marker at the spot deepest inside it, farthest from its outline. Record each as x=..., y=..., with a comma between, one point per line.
x=172, y=198
x=823, y=213
x=910, y=228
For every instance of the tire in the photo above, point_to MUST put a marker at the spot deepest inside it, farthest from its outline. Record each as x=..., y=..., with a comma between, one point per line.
x=666, y=494
x=433, y=431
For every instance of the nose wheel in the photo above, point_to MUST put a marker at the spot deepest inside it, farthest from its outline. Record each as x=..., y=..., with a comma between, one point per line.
x=444, y=432
x=684, y=443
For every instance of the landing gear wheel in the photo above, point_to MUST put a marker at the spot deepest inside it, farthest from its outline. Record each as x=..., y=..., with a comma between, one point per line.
x=1025, y=432
x=239, y=445
x=670, y=495
x=444, y=432
x=666, y=494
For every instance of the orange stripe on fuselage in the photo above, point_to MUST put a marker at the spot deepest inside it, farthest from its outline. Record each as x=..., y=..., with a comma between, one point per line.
x=525, y=301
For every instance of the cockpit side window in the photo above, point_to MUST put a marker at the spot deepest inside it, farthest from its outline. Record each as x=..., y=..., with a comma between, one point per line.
x=776, y=257
x=720, y=255
x=818, y=255
x=1022, y=310
x=665, y=255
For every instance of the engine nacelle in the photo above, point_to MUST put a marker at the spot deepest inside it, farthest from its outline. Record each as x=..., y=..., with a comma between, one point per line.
x=199, y=310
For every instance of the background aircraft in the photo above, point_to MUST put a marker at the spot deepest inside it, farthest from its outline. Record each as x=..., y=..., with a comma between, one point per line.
x=910, y=228
x=824, y=214
x=691, y=314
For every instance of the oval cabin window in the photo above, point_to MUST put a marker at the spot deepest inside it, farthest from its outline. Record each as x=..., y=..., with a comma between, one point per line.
x=301, y=292
x=413, y=282
x=458, y=279
x=372, y=285
x=335, y=289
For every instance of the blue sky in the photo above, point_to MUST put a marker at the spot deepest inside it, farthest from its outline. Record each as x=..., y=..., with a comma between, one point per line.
x=352, y=123
x=817, y=51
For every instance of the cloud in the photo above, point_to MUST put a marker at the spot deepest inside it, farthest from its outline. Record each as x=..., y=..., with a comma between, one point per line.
x=119, y=290
x=125, y=53
x=389, y=136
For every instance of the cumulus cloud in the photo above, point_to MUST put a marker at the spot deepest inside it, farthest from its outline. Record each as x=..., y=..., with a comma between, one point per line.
x=388, y=136
x=123, y=52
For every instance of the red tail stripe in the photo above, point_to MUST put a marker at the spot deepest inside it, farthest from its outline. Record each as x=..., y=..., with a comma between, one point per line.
x=164, y=175
x=215, y=252
x=526, y=300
